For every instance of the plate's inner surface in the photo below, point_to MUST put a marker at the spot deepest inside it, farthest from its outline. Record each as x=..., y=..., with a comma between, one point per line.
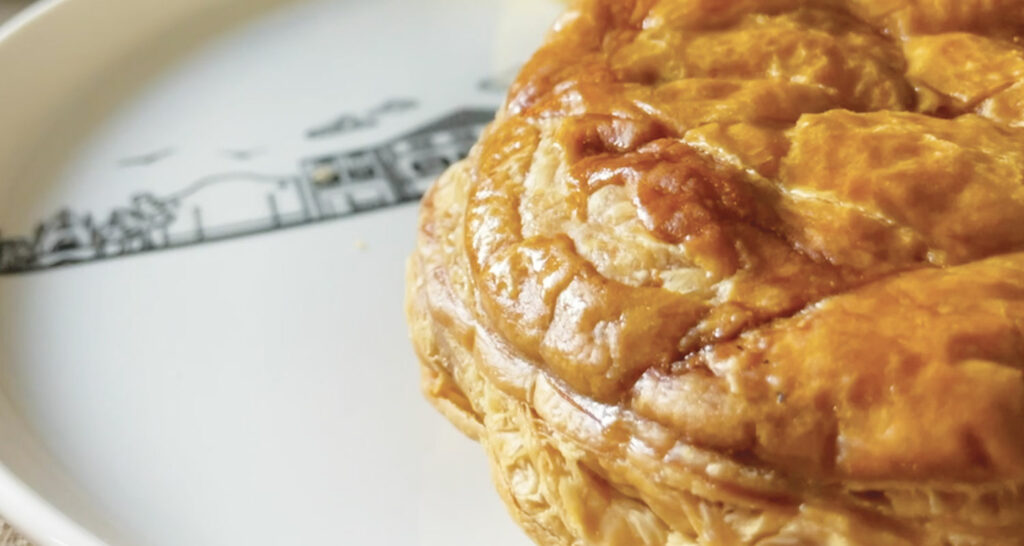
x=201, y=277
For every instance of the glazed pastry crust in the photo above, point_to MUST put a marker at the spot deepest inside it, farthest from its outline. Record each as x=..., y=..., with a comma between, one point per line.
x=743, y=272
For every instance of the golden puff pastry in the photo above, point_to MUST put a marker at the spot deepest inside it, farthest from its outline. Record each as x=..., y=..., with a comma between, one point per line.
x=743, y=272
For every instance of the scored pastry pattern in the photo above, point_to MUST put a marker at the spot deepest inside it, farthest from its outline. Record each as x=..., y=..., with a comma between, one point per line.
x=743, y=272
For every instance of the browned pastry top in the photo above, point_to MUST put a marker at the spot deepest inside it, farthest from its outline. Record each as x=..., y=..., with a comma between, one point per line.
x=790, y=231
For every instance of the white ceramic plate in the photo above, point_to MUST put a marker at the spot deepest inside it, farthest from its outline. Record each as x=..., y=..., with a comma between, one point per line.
x=205, y=208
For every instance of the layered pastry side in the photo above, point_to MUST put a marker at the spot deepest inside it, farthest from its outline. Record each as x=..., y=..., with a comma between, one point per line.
x=729, y=272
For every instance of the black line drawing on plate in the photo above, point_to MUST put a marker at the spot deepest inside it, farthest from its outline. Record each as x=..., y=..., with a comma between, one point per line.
x=150, y=158
x=392, y=106
x=349, y=122
x=234, y=204
x=243, y=154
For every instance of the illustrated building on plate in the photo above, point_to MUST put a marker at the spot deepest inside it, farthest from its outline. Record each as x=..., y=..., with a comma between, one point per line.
x=233, y=204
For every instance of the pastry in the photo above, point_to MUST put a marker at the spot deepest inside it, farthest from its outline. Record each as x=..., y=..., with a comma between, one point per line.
x=731, y=272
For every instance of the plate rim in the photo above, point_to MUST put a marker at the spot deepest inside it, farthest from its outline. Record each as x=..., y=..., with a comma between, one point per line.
x=22, y=507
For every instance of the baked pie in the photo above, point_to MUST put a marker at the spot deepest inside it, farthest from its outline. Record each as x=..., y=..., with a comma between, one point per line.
x=730, y=272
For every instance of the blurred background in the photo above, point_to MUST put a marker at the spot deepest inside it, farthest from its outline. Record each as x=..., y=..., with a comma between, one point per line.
x=7, y=535
x=10, y=7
